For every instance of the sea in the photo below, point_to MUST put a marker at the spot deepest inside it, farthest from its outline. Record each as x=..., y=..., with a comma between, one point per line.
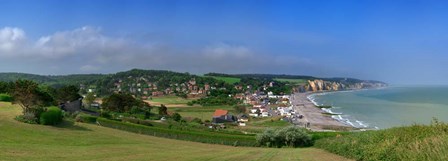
x=386, y=107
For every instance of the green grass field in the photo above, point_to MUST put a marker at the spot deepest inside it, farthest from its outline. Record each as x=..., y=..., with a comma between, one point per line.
x=170, y=100
x=204, y=113
x=229, y=80
x=293, y=81
x=80, y=141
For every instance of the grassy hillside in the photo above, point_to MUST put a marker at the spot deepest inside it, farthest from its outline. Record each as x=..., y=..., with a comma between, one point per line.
x=170, y=100
x=230, y=80
x=417, y=142
x=204, y=113
x=293, y=81
x=79, y=141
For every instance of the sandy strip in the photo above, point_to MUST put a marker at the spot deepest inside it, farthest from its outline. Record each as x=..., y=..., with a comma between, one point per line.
x=317, y=120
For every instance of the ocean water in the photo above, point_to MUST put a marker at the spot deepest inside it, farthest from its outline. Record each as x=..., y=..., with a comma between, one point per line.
x=387, y=107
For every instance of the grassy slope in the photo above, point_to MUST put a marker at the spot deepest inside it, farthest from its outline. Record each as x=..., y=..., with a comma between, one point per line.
x=294, y=81
x=417, y=142
x=170, y=100
x=229, y=80
x=20, y=141
x=204, y=113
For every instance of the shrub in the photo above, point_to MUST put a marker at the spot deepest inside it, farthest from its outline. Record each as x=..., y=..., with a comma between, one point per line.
x=22, y=118
x=5, y=97
x=86, y=118
x=266, y=138
x=294, y=137
x=105, y=114
x=52, y=116
x=288, y=136
x=196, y=120
x=176, y=117
x=130, y=120
x=145, y=122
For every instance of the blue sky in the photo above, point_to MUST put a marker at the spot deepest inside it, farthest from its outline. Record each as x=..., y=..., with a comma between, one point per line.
x=400, y=42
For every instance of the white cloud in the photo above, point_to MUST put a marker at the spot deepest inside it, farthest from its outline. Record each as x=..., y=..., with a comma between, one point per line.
x=87, y=49
x=11, y=39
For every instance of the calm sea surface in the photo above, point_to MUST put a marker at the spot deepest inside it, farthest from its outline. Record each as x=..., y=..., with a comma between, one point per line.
x=388, y=107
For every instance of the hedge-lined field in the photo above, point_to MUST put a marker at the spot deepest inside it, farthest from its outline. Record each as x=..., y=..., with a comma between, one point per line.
x=197, y=136
x=81, y=141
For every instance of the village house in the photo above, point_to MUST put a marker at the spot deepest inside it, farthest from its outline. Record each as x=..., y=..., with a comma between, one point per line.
x=222, y=116
x=242, y=119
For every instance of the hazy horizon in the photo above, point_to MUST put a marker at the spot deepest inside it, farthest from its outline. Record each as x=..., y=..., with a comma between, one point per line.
x=398, y=42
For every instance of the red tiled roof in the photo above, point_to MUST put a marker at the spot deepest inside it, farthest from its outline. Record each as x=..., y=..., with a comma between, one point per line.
x=220, y=112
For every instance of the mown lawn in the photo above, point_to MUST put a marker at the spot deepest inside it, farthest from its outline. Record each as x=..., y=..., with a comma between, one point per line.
x=202, y=112
x=170, y=100
x=79, y=141
x=293, y=81
x=230, y=80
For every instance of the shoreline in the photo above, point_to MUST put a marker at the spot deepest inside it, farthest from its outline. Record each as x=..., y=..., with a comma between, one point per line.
x=316, y=117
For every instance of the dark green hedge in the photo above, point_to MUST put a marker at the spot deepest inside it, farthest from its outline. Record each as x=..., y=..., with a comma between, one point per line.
x=86, y=118
x=5, y=97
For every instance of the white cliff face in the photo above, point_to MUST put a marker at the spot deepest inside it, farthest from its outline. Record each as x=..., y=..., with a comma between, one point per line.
x=321, y=85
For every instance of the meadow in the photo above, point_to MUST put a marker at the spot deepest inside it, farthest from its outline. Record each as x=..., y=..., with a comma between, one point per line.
x=293, y=81
x=229, y=80
x=170, y=100
x=81, y=141
x=202, y=112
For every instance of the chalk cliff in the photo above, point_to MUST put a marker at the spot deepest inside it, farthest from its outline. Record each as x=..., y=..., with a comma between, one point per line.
x=322, y=85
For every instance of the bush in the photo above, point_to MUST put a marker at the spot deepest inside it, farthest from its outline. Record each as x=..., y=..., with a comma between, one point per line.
x=130, y=120
x=145, y=122
x=289, y=136
x=22, y=118
x=196, y=120
x=176, y=117
x=5, y=97
x=267, y=138
x=105, y=114
x=294, y=137
x=85, y=118
x=52, y=116
x=137, y=121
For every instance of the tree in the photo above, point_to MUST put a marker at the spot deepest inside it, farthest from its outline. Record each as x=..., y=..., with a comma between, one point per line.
x=240, y=108
x=5, y=87
x=122, y=103
x=287, y=136
x=90, y=98
x=163, y=110
x=67, y=93
x=27, y=95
